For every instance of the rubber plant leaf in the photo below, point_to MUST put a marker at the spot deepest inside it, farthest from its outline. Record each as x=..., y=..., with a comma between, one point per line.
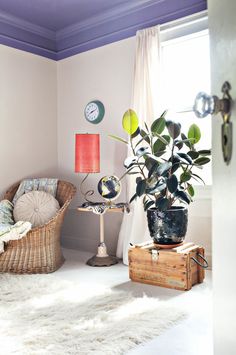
x=186, y=141
x=148, y=205
x=133, y=198
x=202, y=161
x=166, y=142
x=182, y=196
x=153, y=169
x=173, y=129
x=138, y=179
x=130, y=122
x=172, y=183
x=185, y=176
x=136, y=133
x=179, y=144
x=160, y=186
x=153, y=158
x=150, y=161
x=197, y=177
x=118, y=138
x=140, y=187
x=193, y=154
x=159, y=154
x=159, y=145
x=158, y=125
x=145, y=136
x=162, y=203
x=163, y=168
x=194, y=133
x=204, y=152
x=164, y=113
x=175, y=167
x=190, y=190
x=185, y=157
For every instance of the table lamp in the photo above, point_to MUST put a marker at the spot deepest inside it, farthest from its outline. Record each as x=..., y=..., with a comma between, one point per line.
x=87, y=158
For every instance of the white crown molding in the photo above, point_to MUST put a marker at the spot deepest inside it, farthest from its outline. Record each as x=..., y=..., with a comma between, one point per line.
x=64, y=53
x=27, y=47
x=109, y=15
x=67, y=40
x=27, y=26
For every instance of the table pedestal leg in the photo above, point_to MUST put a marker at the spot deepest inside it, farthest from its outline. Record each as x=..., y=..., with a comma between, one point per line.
x=102, y=249
x=102, y=258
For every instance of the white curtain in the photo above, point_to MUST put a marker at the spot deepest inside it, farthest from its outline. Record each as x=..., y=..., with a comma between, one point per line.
x=144, y=102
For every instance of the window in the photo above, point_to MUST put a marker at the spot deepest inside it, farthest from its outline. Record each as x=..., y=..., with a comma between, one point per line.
x=185, y=70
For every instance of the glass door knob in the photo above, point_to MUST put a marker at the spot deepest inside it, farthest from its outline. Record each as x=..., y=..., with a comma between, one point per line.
x=210, y=105
x=204, y=105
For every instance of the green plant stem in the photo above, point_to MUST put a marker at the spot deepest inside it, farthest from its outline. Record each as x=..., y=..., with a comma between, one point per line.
x=172, y=152
x=169, y=173
x=151, y=143
x=141, y=170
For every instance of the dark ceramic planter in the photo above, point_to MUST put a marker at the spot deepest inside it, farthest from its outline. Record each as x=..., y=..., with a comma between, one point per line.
x=168, y=227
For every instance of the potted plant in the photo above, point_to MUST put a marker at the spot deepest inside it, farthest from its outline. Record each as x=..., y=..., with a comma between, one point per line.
x=165, y=162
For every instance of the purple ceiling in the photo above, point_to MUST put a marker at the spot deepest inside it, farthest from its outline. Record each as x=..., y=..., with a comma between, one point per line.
x=58, y=14
x=57, y=29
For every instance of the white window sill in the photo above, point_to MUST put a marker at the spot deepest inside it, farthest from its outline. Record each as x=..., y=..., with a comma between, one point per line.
x=203, y=192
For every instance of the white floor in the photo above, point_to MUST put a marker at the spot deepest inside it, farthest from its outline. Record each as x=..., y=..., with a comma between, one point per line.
x=193, y=336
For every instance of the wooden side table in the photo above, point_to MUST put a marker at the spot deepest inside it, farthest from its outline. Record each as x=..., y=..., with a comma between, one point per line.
x=102, y=258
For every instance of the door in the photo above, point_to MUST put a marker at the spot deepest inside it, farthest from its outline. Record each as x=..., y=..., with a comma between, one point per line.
x=222, y=28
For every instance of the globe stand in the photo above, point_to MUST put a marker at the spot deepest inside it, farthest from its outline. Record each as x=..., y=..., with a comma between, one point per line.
x=109, y=188
x=102, y=258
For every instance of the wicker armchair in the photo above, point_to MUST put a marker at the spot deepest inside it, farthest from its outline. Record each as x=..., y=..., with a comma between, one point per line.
x=39, y=251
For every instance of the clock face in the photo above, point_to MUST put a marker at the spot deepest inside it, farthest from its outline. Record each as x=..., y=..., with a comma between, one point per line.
x=94, y=111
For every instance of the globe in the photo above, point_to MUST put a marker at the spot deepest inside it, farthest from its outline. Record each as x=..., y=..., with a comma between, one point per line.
x=109, y=187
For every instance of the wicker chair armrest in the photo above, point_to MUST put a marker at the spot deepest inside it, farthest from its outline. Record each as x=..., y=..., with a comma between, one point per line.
x=9, y=194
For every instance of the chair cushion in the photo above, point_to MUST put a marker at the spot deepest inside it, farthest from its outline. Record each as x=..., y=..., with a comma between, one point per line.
x=36, y=207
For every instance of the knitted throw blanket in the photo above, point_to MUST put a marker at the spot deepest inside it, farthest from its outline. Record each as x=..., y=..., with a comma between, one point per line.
x=9, y=230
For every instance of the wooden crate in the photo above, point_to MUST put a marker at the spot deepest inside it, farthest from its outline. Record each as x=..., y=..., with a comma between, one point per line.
x=171, y=268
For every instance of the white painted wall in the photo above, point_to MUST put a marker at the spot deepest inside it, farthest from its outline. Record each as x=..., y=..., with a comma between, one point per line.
x=105, y=73
x=222, y=27
x=199, y=220
x=28, y=116
x=33, y=120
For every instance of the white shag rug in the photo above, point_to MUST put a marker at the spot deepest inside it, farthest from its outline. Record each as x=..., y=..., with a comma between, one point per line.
x=42, y=314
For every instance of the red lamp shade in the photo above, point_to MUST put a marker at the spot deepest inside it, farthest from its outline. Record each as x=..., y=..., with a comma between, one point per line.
x=87, y=153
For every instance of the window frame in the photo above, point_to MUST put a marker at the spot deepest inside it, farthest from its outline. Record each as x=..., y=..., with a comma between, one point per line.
x=184, y=26
x=173, y=32
x=179, y=39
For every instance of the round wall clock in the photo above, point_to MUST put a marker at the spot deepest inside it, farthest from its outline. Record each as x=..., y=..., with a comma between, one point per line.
x=94, y=111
